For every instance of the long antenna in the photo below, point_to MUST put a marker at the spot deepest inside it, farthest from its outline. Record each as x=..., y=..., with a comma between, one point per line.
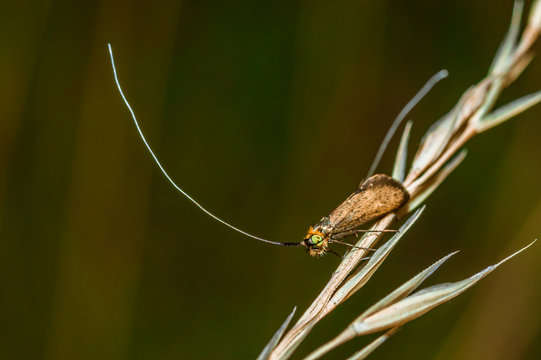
x=442, y=74
x=167, y=175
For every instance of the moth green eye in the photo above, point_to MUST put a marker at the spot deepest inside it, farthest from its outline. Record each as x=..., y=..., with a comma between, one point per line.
x=316, y=239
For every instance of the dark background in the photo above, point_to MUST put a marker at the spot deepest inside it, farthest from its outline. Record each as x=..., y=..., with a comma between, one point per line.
x=269, y=113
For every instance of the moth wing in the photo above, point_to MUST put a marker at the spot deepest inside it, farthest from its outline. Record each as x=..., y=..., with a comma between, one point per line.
x=378, y=195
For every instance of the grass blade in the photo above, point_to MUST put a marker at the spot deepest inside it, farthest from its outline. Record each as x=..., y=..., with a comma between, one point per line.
x=368, y=349
x=407, y=309
x=405, y=289
x=266, y=353
x=366, y=272
x=501, y=59
x=399, y=170
x=419, y=303
x=435, y=140
x=436, y=181
x=508, y=111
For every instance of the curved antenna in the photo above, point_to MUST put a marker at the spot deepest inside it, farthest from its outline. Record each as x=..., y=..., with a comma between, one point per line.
x=167, y=175
x=442, y=74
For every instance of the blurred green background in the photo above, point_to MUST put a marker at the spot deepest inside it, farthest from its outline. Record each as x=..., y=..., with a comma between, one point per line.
x=269, y=113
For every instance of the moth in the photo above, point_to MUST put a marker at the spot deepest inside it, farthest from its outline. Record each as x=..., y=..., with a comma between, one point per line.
x=375, y=197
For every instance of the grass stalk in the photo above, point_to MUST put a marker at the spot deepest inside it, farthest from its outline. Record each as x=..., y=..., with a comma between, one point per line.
x=435, y=159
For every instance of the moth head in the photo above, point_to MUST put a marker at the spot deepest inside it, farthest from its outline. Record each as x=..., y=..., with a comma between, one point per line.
x=316, y=242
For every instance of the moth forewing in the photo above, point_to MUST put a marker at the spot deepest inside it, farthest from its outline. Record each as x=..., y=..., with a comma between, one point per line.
x=378, y=195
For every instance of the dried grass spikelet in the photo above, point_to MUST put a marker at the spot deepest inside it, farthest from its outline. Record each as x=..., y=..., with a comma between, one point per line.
x=439, y=153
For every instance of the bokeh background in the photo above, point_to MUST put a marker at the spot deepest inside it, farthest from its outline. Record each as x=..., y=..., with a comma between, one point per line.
x=269, y=113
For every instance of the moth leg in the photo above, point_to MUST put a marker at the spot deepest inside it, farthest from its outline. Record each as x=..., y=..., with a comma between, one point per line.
x=384, y=230
x=347, y=233
x=335, y=253
x=350, y=245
